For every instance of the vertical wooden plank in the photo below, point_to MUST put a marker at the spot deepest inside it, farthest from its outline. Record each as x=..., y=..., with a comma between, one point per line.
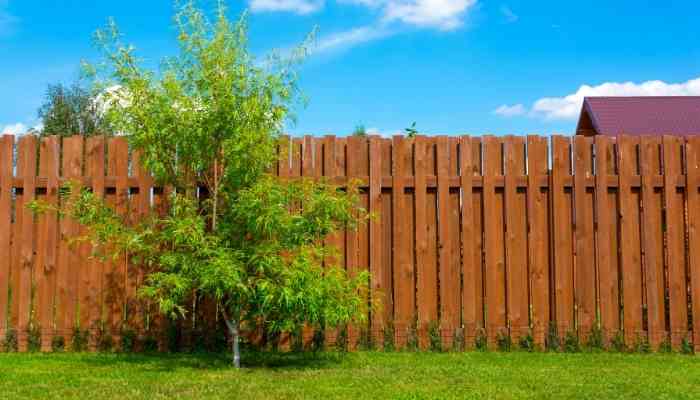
x=516, y=239
x=69, y=269
x=6, y=162
x=448, y=275
x=308, y=171
x=49, y=154
x=562, y=220
x=387, y=238
x=432, y=251
x=675, y=240
x=630, y=252
x=150, y=318
x=95, y=159
x=653, y=239
x=333, y=242
x=118, y=164
x=585, y=268
x=478, y=241
x=404, y=301
x=455, y=334
x=354, y=168
x=606, y=235
x=538, y=236
x=423, y=300
x=692, y=187
x=494, y=277
x=28, y=160
x=470, y=290
x=378, y=284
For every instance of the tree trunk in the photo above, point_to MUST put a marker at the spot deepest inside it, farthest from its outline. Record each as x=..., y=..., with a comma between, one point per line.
x=234, y=329
x=235, y=345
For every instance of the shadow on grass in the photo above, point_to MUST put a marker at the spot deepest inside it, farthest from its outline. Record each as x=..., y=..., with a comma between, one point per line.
x=251, y=360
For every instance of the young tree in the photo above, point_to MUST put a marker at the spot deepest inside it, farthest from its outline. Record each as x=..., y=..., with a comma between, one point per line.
x=213, y=115
x=71, y=110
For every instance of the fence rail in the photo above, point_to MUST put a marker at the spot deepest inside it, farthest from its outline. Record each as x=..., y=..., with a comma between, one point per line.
x=493, y=236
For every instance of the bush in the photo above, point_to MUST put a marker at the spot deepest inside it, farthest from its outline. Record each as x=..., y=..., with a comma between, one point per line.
x=341, y=341
x=389, y=333
x=553, y=342
x=9, y=343
x=481, y=341
x=58, y=344
x=435, y=337
x=527, y=342
x=34, y=338
x=128, y=340
x=595, y=339
x=504, y=341
x=79, y=341
x=572, y=343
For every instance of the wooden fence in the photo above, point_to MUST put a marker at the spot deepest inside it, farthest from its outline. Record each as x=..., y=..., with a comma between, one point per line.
x=481, y=237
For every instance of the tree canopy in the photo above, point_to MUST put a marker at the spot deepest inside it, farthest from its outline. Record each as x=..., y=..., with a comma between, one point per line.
x=210, y=122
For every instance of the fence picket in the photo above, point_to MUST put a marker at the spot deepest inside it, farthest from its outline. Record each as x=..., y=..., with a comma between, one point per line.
x=6, y=187
x=692, y=160
x=675, y=234
x=630, y=251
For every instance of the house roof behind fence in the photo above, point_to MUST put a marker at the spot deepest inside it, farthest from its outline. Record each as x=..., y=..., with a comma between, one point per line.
x=673, y=115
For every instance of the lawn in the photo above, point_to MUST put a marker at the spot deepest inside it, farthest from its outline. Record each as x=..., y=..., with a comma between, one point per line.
x=352, y=376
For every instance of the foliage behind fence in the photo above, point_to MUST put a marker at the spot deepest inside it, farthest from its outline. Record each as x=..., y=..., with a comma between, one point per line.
x=474, y=239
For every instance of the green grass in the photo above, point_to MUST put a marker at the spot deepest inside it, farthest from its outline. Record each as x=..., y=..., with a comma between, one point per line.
x=353, y=376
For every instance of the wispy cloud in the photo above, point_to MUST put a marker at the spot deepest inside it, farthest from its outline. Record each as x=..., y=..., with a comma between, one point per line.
x=14, y=129
x=510, y=111
x=8, y=22
x=436, y=14
x=301, y=7
x=509, y=15
x=350, y=38
x=568, y=107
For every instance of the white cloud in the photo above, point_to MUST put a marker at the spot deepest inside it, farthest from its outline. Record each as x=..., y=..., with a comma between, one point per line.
x=510, y=111
x=301, y=7
x=15, y=129
x=350, y=38
x=568, y=107
x=509, y=15
x=440, y=14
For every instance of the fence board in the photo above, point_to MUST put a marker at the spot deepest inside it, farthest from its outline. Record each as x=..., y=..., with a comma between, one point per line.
x=538, y=237
x=494, y=273
x=469, y=282
x=516, y=239
x=49, y=154
x=421, y=219
x=449, y=274
x=675, y=240
x=118, y=158
x=693, y=182
x=478, y=247
x=404, y=300
x=585, y=247
x=630, y=249
x=653, y=239
x=95, y=167
x=562, y=228
x=606, y=239
x=376, y=241
x=6, y=162
x=27, y=163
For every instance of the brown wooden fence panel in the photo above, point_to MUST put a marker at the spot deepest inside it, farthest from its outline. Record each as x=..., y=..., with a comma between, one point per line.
x=693, y=184
x=606, y=238
x=630, y=243
x=653, y=239
x=516, y=239
x=675, y=234
x=6, y=188
x=585, y=267
x=469, y=236
x=45, y=270
x=562, y=222
x=494, y=273
x=538, y=236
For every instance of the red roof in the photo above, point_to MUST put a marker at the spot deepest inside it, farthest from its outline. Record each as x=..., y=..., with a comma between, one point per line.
x=673, y=115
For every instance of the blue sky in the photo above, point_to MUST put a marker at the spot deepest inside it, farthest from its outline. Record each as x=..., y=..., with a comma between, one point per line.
x=453, y=66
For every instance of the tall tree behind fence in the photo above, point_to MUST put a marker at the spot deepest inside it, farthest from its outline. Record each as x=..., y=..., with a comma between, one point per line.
x=480, y=237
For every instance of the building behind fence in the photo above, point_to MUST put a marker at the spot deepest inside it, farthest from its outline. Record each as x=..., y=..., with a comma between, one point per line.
x=477, y=237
